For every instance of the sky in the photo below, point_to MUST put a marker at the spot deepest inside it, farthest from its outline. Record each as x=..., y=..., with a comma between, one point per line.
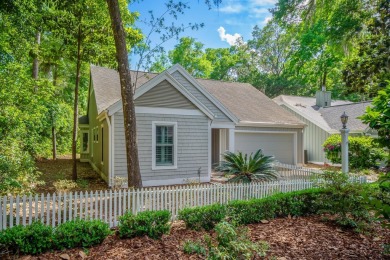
x=223, y=25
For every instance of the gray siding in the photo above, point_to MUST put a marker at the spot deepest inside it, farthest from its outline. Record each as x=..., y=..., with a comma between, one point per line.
x=277, y=129
x=192, y=146
x=164, y=95
x=313, y=138
x=220, y=116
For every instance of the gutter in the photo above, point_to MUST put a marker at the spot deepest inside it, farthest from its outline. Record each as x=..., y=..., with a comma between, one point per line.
x=267, y=124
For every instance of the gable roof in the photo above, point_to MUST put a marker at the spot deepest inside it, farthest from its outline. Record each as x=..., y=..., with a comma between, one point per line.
x=249, y=104
x=327, y=118
x=242, y=100
x=164, y=76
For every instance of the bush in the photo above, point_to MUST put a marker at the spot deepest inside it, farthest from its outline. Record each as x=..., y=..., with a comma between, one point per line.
x=80, y=233
x=359, y=147
x=191, y=247
x=205, y=217
x=32, y=239
x=151, y=223
x=297, y=203
x=235, y=243
x=344, y=199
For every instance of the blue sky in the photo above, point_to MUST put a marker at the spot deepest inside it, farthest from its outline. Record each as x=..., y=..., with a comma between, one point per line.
x=223, y=25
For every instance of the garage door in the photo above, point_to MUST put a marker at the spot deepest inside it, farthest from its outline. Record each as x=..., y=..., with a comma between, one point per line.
x=281, y=146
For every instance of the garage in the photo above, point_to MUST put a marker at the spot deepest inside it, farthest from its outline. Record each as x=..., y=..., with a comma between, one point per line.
x=279, y=145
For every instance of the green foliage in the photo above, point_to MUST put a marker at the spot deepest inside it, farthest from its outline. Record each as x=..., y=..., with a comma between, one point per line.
x=235, y=243
x=151, y=223
x=80, y=233
x=17, y=170
x=257, y=167
x=32, y=239
x=298, y=203
x=205, y=217
x=344, y=199
x=377, y=117
x=194, y=247
x=359, y=147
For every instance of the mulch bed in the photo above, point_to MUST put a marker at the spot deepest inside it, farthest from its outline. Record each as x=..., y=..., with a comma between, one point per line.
x=301, y=238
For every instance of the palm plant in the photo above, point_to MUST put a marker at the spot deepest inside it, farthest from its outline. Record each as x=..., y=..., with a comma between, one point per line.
x=248, y=169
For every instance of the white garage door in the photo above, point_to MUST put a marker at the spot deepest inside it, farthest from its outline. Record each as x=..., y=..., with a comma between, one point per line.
x=281, y=146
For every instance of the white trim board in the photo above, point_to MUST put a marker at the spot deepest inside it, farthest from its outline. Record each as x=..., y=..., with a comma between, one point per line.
x=197, y=85
x=295, y=136
x=222, y=125
x=175, y=145
x=154, y=82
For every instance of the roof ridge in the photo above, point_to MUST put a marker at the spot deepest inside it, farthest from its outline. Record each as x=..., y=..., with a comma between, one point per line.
x=348, y=104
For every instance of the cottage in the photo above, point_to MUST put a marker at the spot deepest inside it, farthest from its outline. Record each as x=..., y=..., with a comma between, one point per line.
x=321, y=114
x=183, y=125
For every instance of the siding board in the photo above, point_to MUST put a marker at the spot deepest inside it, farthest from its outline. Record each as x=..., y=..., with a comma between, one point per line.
x=192, y=146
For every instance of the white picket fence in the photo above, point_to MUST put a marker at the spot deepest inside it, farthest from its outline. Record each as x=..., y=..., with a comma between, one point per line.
x=108, y=205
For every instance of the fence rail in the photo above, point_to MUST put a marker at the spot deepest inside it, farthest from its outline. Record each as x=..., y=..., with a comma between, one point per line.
x=108, y=205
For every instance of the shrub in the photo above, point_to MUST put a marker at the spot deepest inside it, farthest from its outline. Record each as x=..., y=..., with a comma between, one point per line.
x=191, y=247
x=234, y=243
x=248, y=169
x=64, y=185
x=344, y=199
x=296, y=203
x=80, y=233
x=205, y=217
x=151, y=223
x=32, y=239
x=359, y=147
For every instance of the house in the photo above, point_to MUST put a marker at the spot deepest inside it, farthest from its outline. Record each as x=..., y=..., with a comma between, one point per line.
x=183, y=125
x=321, y=114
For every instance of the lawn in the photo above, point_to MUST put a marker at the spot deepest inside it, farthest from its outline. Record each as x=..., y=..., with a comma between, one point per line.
x=289, y=238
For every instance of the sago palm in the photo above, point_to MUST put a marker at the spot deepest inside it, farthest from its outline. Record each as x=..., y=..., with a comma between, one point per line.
x=256, y=167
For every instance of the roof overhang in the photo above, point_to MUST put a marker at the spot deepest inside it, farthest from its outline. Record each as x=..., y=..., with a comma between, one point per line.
x=117, y=106
x=197, y=85
x=269, y=124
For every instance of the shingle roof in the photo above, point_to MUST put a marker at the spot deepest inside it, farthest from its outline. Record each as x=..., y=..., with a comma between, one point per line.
x=242, y=99
x=248, y=104
x=327, y=118
x=83, y=120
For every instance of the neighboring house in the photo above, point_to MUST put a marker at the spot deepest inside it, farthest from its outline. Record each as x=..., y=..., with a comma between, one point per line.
x=322, y=117
x=183, y=125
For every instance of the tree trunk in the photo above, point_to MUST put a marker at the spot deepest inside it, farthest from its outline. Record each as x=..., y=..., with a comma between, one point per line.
x=133, y=170
x=76, y=107
x=35, y=68
x=54, y=141
x=53, y=128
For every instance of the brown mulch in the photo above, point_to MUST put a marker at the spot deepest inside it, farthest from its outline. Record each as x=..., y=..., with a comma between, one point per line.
x=301, y=238
x=60, y=169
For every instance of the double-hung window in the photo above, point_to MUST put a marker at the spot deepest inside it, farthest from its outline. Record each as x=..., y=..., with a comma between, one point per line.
x=164, y=145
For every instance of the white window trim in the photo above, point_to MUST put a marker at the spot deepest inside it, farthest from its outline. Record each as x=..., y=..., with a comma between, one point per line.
x=164, y=123
x=82, y=133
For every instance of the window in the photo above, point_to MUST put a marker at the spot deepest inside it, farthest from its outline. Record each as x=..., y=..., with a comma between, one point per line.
x=84, y=142
x=164, y=145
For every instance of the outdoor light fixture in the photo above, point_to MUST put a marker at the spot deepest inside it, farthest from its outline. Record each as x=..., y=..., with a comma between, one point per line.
x=344, y=120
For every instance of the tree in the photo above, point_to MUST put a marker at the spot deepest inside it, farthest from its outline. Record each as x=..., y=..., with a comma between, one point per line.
x=368, y=69
x=189, y=54
x=378, y=118
x=134, y=174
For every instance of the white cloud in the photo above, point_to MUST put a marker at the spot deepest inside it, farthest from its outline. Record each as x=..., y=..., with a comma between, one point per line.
x=263, y=2
x=231, y=39
x=232, y=8
x=266, y=20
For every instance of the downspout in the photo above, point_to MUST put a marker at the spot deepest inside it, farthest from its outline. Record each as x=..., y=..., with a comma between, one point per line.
x=109, y=150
